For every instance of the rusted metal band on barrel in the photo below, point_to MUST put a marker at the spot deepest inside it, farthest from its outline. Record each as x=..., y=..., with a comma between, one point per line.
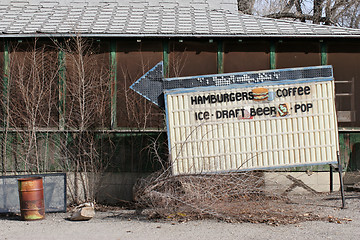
x=34, y=190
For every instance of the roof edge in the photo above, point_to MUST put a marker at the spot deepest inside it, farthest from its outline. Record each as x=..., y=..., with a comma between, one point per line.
x=66, y=35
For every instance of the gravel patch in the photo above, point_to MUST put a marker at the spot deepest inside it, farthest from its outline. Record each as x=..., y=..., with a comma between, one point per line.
x=115, y=223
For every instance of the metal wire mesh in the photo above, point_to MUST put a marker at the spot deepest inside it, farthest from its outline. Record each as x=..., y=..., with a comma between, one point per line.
x=54, y=192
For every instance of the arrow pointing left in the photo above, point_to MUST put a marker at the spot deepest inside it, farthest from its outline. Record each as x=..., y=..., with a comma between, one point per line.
x=151, y=85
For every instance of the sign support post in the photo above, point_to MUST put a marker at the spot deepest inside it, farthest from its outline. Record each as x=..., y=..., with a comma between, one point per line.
x=331, y=178
x=341, y=181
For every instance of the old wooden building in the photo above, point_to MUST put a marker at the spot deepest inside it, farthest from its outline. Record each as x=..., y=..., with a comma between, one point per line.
x=66, y=68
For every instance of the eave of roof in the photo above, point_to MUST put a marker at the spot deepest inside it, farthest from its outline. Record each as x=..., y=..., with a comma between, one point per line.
x=95, y=35
x=167, y=19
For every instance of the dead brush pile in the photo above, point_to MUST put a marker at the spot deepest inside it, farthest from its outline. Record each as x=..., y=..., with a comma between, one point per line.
x=233, y=197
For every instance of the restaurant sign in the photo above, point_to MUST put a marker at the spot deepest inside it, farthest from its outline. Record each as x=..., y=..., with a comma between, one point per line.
x=253, y=125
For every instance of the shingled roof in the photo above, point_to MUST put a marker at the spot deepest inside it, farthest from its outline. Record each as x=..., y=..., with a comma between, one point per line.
x=148, y=18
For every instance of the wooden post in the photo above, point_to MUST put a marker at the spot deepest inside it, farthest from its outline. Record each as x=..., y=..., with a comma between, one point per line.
x=6, y=75
x=323, y=59
x=5, y=98
x=113, y=84
x=220, y=57
x=272, y=55
x=323, y=50
x=62, y=89
x=166, y=58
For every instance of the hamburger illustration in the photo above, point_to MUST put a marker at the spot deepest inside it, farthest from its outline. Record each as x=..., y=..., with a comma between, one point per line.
x=260, y=94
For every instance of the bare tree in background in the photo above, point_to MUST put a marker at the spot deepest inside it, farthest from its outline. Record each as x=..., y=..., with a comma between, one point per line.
x=246, y=6
x=345, y=13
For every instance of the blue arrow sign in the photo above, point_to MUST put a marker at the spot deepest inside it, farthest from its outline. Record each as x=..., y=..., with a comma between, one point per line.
x=152, y=84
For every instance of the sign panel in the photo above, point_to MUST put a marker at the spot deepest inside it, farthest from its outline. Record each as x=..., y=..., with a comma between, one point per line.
x=252, y=126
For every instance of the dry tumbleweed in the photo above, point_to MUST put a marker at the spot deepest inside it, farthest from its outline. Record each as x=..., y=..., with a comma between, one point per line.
x=234, y=197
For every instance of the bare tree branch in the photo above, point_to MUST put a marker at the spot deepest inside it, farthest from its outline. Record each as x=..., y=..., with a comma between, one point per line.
x=330, y=12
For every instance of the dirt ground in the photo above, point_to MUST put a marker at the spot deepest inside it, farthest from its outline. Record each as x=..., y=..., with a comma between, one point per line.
x=125, y=224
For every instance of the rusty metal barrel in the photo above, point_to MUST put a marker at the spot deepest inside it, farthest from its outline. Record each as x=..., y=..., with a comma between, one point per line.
x=31, y=195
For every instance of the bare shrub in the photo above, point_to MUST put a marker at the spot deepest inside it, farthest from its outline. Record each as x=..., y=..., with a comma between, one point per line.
x=233, y=197
x=87, y=107
x=39, y=134
x=29, y=104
